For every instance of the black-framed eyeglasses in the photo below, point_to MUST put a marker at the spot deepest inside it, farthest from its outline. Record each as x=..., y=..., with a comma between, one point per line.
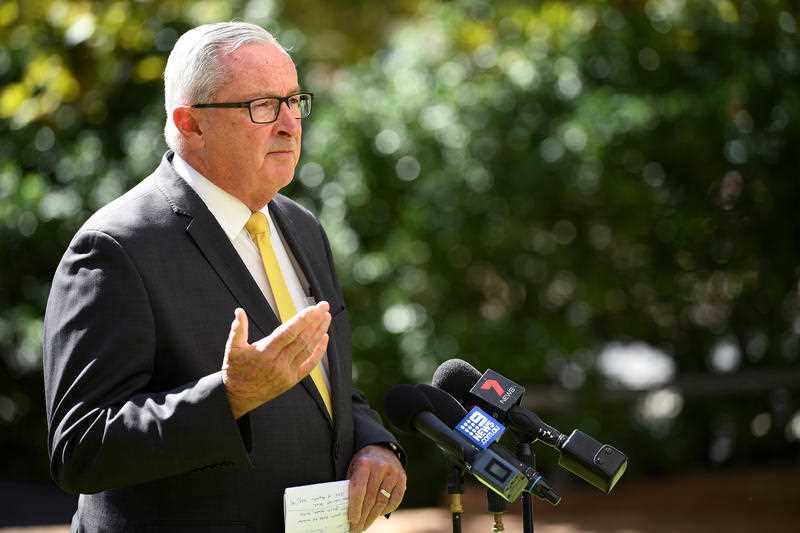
x=265, y=110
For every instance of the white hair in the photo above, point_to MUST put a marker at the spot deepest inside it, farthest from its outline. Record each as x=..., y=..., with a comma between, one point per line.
x=195, y=68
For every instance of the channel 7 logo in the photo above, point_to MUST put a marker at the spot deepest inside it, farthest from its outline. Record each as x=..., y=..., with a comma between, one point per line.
x=479, y=427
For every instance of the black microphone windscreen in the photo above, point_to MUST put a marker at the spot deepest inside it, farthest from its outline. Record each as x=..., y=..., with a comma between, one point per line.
x=445, y=407
x=529, y=424
x=403, y=403
x=456, y=377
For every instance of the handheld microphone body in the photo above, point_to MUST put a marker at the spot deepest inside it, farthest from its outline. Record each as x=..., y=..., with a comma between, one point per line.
x=492, y=469
x=450, y=442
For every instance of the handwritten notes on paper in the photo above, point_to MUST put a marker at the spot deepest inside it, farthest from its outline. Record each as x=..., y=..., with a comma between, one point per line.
x=320, y=508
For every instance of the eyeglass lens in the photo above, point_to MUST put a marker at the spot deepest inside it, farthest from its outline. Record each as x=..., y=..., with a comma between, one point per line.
x=267, y=109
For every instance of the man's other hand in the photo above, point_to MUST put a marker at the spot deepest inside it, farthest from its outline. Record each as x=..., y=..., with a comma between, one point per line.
x=256, y=373
x=374, y=472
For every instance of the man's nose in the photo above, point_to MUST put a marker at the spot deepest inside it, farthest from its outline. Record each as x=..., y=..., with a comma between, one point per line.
x=286, y=122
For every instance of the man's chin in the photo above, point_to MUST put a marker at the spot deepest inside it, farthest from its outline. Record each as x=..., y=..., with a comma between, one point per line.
x=281, y=179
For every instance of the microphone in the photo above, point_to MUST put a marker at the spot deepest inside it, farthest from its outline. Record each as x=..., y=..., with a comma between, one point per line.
x=600, y=464
x=453, y=414
x=410, y=410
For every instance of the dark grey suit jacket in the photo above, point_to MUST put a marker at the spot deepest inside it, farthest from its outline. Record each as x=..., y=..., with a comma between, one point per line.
x=136, y=323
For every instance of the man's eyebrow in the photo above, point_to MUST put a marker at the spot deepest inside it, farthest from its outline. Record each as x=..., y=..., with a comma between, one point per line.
x=255, y=95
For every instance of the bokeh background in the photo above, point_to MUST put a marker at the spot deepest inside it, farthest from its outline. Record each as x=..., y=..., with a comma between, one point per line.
x=598, y=199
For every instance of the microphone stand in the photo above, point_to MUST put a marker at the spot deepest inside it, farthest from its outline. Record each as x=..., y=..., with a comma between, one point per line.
x=497, y=506
x=455, y=488
x=526, y=455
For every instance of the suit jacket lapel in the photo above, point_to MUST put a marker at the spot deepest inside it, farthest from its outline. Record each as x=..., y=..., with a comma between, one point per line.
x=209, y=237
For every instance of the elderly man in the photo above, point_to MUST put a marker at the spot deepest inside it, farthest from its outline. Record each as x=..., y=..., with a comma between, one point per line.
x=156, y=420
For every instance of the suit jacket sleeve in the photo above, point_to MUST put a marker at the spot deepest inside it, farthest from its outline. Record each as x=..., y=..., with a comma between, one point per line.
x=367, y=425
x=106, y=428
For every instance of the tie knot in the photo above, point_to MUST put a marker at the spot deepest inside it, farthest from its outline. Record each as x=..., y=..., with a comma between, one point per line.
x=257, y=224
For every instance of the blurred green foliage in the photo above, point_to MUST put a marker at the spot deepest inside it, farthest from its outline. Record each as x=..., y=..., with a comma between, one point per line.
x=597, y=199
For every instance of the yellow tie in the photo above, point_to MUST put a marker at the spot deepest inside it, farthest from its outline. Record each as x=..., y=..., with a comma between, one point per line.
x=259, y=229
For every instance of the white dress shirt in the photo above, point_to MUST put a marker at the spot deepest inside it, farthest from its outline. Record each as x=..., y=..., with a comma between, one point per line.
x=232, y=215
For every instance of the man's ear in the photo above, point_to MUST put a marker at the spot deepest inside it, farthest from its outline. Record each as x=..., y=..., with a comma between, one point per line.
x=183, y=116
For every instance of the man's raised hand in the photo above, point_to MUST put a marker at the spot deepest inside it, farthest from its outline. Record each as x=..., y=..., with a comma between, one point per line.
x=256, y=373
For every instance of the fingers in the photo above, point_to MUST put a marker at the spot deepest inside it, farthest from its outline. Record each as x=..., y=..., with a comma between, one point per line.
x=358, y=488
x=256, y=373
x=313, y=360
x=234, y=365
x=374, y=468
x=373, y=502
x=398, y=491
x=239, y=330
x=382, y=505
x=309, y=341
x=301, y=342
x=302, y=322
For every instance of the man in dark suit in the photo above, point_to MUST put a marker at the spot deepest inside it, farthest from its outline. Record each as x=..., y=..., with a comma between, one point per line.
x=156, y=420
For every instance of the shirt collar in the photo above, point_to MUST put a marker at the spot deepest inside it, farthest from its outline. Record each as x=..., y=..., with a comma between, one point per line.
x=229, y=211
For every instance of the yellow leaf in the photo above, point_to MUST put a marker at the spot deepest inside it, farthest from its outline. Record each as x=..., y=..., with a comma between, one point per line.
x=115, y=16
x=9, y=11
x=149, y=68
x=11, y=99
x=727, y=11
x=474, y=34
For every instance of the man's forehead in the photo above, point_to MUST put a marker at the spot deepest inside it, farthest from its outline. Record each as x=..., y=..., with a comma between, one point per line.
x=261, y=69
x=261, y=55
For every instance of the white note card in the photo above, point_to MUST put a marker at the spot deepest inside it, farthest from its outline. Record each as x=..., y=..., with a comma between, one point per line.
x=320, y=508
